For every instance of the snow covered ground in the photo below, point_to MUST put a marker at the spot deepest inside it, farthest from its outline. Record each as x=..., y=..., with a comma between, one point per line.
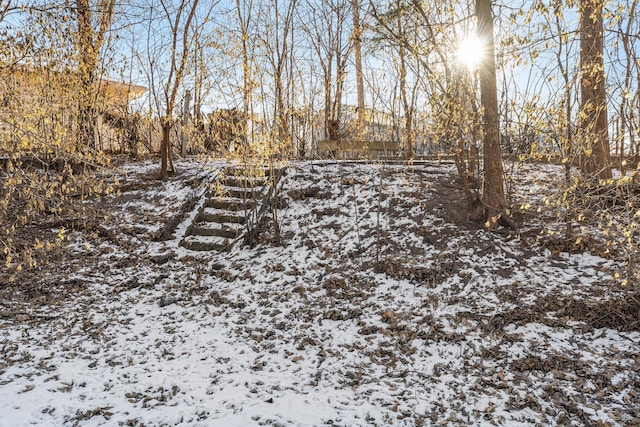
x=382, y=306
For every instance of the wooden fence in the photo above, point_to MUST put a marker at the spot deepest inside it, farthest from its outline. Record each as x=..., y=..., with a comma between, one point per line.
x=343, y=149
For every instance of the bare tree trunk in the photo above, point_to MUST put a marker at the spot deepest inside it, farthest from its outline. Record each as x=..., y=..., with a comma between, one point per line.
x=357, y=45
x=406, y=106
x=87, y=69
x=626, y=124
x=185, y=122
x=279, y=49
x=178, y=63
x=408, y=125
x=341, y=72
x=244, y=20
x=493, y=196
x=327, y=105
x=165, y=145
x=89, y=44
x=595, y=161
x=327, y=27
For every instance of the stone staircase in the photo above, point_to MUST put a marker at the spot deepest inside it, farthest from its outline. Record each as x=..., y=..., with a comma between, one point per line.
x=231, y=209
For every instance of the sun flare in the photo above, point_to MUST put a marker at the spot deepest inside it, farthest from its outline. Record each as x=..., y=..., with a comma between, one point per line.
x=470, y=52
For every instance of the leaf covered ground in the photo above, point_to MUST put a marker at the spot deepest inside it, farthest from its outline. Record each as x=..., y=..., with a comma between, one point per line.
x=381, y=306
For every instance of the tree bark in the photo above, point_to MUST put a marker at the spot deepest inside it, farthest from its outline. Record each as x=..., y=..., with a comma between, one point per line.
x=89, y=43
x=87, y=69
x=357, y=46
x=595, y=158
x=185, y=123
x=165, y=145
x=244, y=20
x=406, y=106
x=493, y=195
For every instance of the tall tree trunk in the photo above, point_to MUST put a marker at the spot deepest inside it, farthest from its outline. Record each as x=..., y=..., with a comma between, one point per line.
x=165, y=145
x=626, y=122
x=87, y=64
x=282, y=131
x=184, y=123
x=280, y=50
x=408, y=112
x=595, y=159
x=327, y=106
x=246, y=68
x=178, y=63
x=89, y=43
x=406, y=106
x=493, y=196
x=357, y=46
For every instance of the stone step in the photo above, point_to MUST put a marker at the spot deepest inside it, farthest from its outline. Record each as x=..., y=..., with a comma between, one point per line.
x=227, y=233
x=237, y=193
x=243, y=182
x=234, y=205
x=253, y=172
x=204, y=245
x=220, y=221
x=220, y=218
x=241, y=193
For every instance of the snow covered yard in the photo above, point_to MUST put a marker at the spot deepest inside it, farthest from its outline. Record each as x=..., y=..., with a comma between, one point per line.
x=382, y=306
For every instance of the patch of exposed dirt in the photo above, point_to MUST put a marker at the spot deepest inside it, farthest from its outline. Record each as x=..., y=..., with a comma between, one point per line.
x=442, y=269
x=620, y=312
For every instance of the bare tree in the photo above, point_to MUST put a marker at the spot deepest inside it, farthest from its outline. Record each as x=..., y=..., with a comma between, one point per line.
x=330, y=37
x=244, y=9
x=408, y=102
x=394, y=24
x=179, y=21
x=89, y=44
x=277, y=37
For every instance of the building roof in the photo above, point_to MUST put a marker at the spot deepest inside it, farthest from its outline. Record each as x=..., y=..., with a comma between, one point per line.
x=112, y=89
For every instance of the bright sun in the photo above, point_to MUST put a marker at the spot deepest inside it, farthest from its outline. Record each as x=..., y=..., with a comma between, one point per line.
x=470, y=52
